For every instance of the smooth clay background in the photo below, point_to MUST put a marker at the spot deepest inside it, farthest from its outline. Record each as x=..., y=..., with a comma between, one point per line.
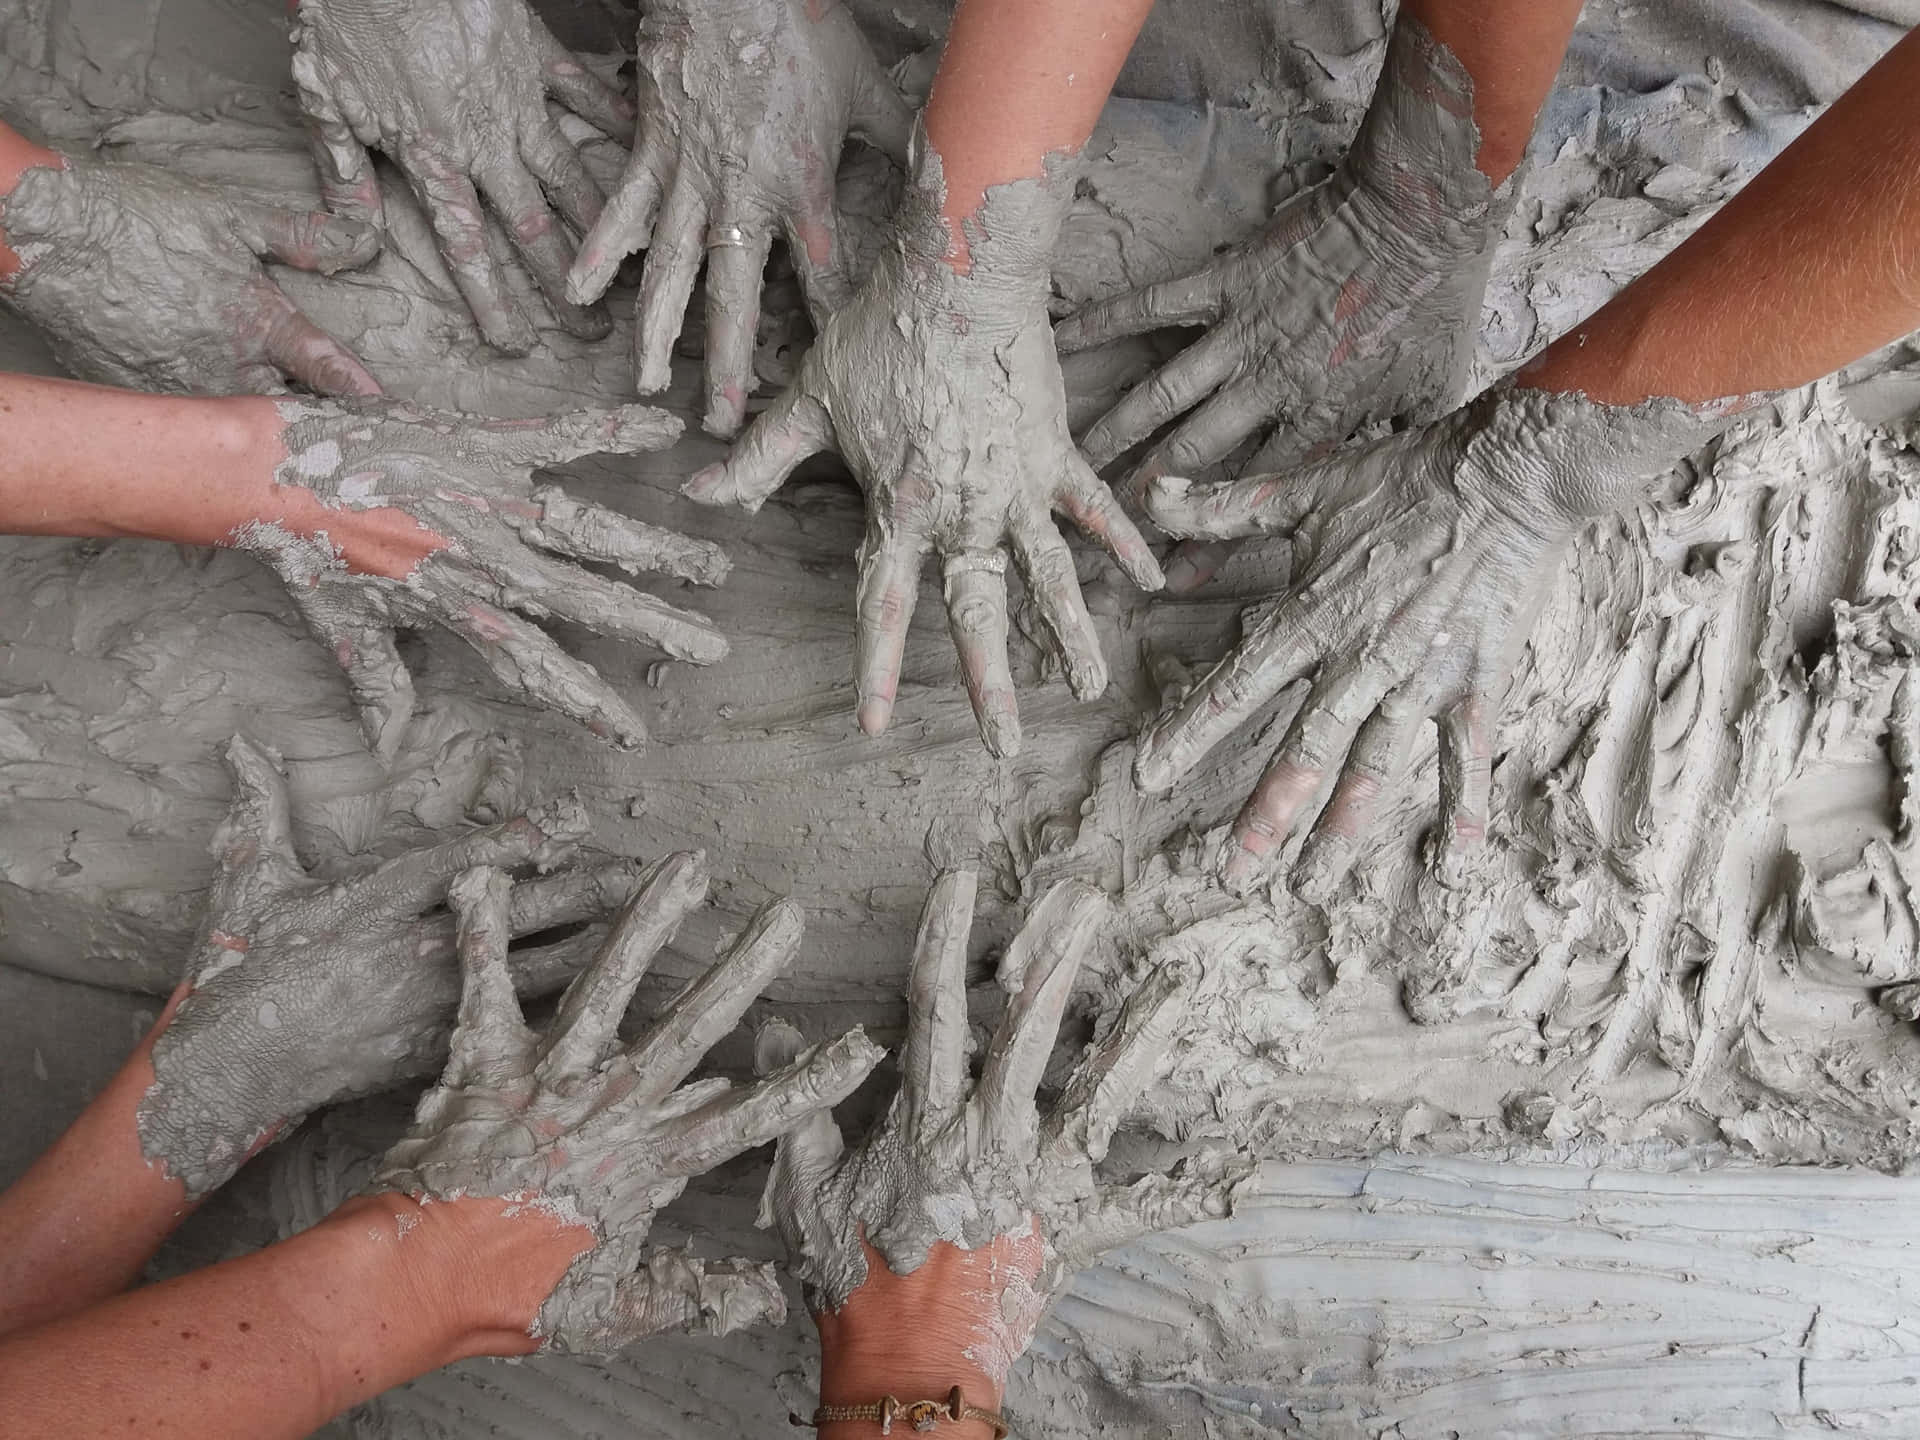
x=1527, y=1138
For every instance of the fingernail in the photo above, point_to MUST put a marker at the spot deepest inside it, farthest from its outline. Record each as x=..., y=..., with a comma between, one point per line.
x=874, y=713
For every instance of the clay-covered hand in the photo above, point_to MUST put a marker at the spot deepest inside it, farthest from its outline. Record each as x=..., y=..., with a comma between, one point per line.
x=974, y=1164
x=455, y=93
x=300, y=993
x=603, y=1134
x=1417, y=561
x=942, y=392
x=142, y=277
x=744, y=108
x=485, y=542
x=1357, y=302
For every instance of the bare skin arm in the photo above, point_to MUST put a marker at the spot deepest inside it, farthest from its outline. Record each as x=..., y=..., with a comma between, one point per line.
x=276, y=1343
x=1814, y=264
x=80, y=1225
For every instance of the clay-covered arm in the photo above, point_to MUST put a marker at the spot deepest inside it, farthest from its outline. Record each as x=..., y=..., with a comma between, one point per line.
x=1815, y=263
x=276, y=1343
x=938, y=382
x=377, y=515
x=83, y=1221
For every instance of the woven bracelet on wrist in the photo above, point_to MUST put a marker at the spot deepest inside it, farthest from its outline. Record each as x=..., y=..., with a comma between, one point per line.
x=918, y=1414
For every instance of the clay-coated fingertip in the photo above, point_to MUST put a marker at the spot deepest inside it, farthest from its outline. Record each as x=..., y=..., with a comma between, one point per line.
x=706, y=486
x=1152, y=773
x=1002, y=735
x=874, y=714
x=1240, y=869
x=776, y=1045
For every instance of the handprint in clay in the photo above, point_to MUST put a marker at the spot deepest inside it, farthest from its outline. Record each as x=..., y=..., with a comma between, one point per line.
x=973, y=1165
x=605, y=1135
x=942, y=392
x=300, y=993
x=1417, y=562
x=463, y=539
x=1357, y=302
x=455, y=93
x=744, y=108
x=141, y=277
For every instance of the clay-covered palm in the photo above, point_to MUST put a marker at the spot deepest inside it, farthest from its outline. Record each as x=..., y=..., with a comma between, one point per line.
x=604, y=1134
x=508, y=546
x=455, y=93
x=744, y=108
x=1356, y=303
x=943, y=394
x=142, y=277
x=1417, y=563
x=974, y=1163
x=302, y=993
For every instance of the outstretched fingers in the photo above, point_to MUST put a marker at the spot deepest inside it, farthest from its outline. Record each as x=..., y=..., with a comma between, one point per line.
x=976, y=593
x=711, y=1006
x=1039, y=967
x=556, y=439
x=305, y=239
x=1106, y=1083
x=744, y=1118
x=418, y=879
x=1195, y=299
x=302, y=351
x=360, y=639
x=1053, y=581
x=579, y=89
x=491, y=1042
x=933, y=1061
x=1172, y=390
x=592, y=532
x=673, y=261
x=1231, y=510
x=889, y=586
x=625, y=226
x=571, y=896
x=1373, y=764
x=590, y=1012
x=1088, y=501
x=788, y=431
x=737, y=249
x=459, y=227
x=539, y=240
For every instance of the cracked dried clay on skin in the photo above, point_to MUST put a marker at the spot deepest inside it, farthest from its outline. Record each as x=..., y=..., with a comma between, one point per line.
x=303, y=993
x=745, y=106
x=943, y=394
x=141, y=277
x=974, y=1164
x=455, y=93
x=506, y=546
x=604, y=1135
x=1417, y=563
x=1358, y=302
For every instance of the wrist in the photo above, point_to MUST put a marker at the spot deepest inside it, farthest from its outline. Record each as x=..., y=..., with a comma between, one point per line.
x=862, y=1369
x=17, y=156
x=475, y=1269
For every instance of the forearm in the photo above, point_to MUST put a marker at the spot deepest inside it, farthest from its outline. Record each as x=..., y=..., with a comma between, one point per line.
x=81, y=1224
x=1814, y=264
x=91, y=461
x=1017, y=82
x=18, y=154
x=276, y=1343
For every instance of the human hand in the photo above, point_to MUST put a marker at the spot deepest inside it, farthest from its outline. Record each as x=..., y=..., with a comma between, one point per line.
x=968, y=1178
x=149, y=279
x=300, y=993
x=385, y=515
x=942, y=392
x=1357, y=302
x=455, y=92
x=605, y=1135
x=745, y=105
x=1417, y=562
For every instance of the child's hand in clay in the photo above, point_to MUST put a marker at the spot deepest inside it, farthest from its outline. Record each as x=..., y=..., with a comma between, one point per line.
x=942, y=392
x=1357, y=302
x=300, y=993
x=1417, y=562
x=150, y=279
x=387, y=515
x=455, y=93
x=603, y=1135
x=932, y=1250
x=744, y=108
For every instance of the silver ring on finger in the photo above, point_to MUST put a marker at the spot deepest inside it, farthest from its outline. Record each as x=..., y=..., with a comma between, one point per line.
x=726, y=237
